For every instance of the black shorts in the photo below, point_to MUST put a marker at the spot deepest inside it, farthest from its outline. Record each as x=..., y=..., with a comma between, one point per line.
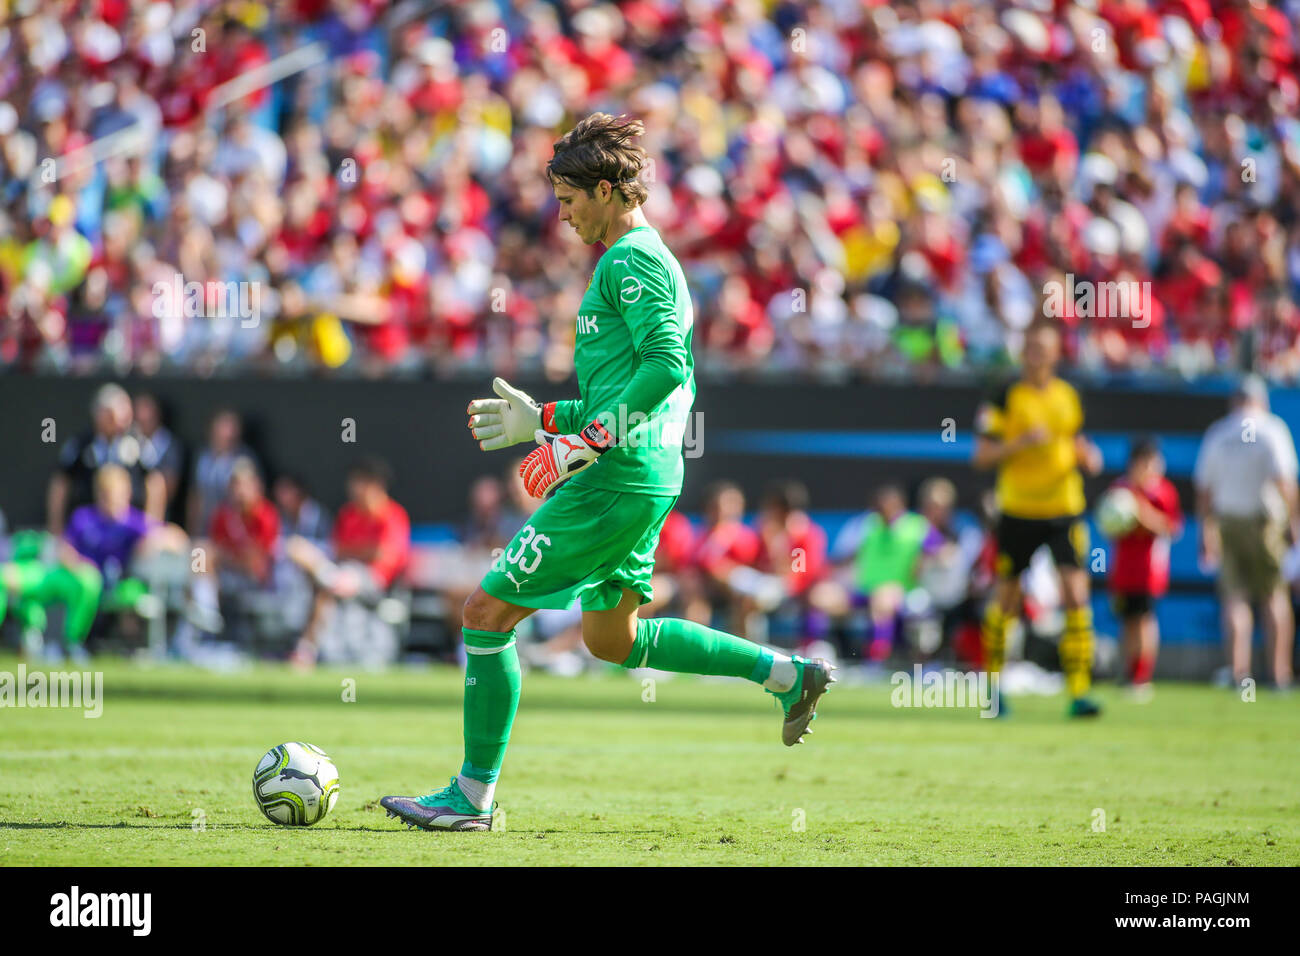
x=1019, y=538
x=1128, y=606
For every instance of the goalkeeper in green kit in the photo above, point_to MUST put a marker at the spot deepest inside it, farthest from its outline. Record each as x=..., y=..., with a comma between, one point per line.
x=614, y=461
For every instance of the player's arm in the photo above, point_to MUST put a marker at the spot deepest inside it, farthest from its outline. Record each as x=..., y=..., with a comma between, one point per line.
x=155, y=495
x=69, y=556
x=643, y=291
x=1204, y=475
x=162, y=538
x=1210, y=546
x=1153, y=519
x=992, y=452
x=60, y=487
x=1088, y=455
x=642, y=288
x=56, y=502
x=69, y=545
x=933, y=547
x=992, y=448
x=1291, y=495
x=1174, y=511
x=1208, y=524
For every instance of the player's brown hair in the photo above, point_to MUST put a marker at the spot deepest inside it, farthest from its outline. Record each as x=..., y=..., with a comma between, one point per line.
x=1040, y=323
x=602, y=147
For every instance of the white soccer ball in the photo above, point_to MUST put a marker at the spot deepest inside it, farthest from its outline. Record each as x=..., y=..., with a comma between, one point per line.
x=295, y=784
x=1117, y=512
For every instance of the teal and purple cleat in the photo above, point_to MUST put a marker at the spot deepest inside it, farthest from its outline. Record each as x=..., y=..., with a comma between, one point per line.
x=445, y=809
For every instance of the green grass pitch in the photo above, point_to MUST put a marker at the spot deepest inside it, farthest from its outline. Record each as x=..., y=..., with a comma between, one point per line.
x=597, y=775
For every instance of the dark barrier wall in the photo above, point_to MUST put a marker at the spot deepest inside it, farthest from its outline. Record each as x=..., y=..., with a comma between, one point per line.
x=840, y=440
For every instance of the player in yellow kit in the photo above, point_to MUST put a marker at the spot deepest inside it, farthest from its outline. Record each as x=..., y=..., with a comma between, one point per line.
x=1030, y=431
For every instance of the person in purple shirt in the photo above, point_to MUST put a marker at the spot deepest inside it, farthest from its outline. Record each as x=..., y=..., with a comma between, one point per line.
x=112, y=535
x=106, y=538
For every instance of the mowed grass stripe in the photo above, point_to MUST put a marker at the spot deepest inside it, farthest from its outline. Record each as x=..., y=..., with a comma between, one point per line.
x=597, y=775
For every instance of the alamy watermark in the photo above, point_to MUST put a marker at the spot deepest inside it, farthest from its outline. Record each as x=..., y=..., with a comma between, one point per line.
x=639, y=430
x=1127, y=299
x=946, y=688
x=129, y=910
x=84, y=689
x=211, y=300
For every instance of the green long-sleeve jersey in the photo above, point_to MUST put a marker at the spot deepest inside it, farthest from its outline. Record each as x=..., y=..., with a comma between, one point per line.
x=636, y=374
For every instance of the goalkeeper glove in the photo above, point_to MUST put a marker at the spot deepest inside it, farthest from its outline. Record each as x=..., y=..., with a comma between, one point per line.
x=560, y=457
x=508, y=420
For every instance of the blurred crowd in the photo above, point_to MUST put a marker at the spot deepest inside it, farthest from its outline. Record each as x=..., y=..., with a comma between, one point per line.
x=190, y=546
x=194, y=546
x=148, y=541
x=852, y=188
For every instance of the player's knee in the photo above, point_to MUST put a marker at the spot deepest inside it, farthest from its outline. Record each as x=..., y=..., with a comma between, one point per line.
x=1074, y=593
x=607, y=644
x=478, y=612
x=602, y=648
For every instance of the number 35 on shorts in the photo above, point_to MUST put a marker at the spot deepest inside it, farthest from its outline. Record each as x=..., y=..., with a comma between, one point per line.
x=527, y=553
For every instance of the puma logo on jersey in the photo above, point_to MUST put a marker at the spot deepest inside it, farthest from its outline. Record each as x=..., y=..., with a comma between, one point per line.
x=517, y=584
x=587, y=325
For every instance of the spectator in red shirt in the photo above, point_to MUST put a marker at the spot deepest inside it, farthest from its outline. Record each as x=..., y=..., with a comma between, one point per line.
x=372, y=529
x=726, y=551
x=1048, y=146
x=1140, y=571
x=371, y=544
x=1190, y=220
x=793, y=553
x=793, y=545
x=245, y=526
x=238, y=51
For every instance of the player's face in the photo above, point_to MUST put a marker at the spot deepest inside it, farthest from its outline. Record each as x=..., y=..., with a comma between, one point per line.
x=729, y=505
x=146, y=415
x=113, y=497
x=287, y=497
x=890, y=505
x=359, y=491
x=1042, y=348
x=245, y=489
x=585, y=214
x=1147, y=470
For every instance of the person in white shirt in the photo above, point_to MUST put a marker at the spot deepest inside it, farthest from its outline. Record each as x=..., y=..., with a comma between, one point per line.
x=1246, y=500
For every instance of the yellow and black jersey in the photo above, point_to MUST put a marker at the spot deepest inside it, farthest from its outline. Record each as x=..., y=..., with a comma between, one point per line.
x=1042, y=481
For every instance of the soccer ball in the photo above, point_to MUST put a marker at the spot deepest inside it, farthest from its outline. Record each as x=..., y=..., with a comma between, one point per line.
x=295, y=784
x=1117, y=512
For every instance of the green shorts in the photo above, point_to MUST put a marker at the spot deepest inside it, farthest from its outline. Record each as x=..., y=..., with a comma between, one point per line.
x=582, y=543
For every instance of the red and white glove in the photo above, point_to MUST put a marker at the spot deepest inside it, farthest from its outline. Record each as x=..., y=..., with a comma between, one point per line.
x=560, y=457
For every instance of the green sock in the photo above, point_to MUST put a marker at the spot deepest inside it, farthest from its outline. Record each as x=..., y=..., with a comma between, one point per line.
x=491, y=698
x=684, y=647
